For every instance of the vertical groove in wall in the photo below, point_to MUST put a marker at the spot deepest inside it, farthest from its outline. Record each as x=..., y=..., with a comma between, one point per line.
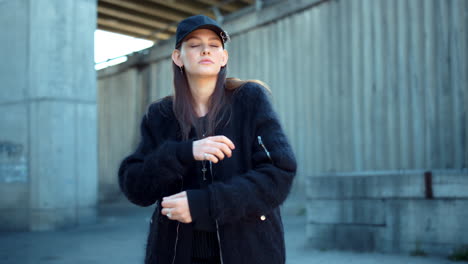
x=429, y=83
x=313, y=86
x=333, y=88
x=307, y=85
x=462, y=7
x=400, y=83
x=379, y=105
x=389, y=57
x=419, y=91
x=455, y=77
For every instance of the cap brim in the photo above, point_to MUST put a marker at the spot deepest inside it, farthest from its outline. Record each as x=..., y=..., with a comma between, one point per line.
x=213, y=28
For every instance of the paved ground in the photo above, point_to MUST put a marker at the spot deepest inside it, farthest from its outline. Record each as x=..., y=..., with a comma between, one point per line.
x=119, y=236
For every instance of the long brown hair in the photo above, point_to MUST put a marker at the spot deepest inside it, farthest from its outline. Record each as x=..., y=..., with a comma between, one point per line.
x=219, y=104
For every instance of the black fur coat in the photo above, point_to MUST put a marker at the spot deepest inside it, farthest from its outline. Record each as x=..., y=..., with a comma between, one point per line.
x=246, y=193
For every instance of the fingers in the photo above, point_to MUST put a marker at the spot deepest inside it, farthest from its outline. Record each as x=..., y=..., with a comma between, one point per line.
x=175, y=207
x=177, y=215
x=213, y=148
x=177, y=195
x=220, y=146
x=216, y=152
x=223, y=139
x=211, y=158
x=170, y=203
x=166, y=211
x=223, y=148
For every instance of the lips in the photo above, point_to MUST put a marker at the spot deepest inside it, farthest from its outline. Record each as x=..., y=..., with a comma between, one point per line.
x=206, y=61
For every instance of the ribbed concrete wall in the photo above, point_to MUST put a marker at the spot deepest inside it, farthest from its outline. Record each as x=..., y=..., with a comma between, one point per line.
x=367, y=85
x=388, y=101
x=120, y=104
x=364, y=88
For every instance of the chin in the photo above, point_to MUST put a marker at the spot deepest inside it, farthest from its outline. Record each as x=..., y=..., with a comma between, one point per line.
x=205, y=73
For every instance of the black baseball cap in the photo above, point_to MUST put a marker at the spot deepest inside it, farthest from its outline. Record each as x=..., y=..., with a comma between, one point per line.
x=193, y=23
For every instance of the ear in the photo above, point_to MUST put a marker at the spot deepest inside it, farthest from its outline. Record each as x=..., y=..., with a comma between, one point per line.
x=176, y=58
x=225, y=58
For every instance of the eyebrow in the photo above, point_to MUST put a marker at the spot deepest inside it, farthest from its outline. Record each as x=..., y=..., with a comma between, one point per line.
x=195, y=37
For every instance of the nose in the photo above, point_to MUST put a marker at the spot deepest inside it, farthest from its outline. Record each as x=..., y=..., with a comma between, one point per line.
x=205, y=51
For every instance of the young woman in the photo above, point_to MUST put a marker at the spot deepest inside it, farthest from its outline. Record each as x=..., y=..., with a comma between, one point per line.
x=214, y=159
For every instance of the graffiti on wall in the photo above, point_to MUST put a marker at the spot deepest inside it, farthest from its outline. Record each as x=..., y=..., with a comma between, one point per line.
x=12, y=162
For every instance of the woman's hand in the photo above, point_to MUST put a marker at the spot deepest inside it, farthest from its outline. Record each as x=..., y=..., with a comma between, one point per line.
x=176, y=207
x=213, y=148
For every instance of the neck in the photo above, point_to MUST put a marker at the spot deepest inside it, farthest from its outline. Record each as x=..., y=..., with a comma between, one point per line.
x=202, y=89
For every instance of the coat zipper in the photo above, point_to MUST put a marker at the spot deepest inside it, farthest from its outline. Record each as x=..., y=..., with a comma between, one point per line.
x=175, y=244
x=212, y=180
x=216, y=221
x=219, y=242
x=260, y=142
x=177, y=231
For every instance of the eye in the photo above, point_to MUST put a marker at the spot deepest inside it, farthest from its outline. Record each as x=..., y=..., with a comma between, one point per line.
x=194, y=45
x=215, y=46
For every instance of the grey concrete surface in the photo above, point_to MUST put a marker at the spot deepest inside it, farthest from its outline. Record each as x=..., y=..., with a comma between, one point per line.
x=48, y=134
x=119, y=237
x=389, y=212
x=119, y=122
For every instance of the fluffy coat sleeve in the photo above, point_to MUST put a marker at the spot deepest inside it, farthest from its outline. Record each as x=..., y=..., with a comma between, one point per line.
x=145, y=175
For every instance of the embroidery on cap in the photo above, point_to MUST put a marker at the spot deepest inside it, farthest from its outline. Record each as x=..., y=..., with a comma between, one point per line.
x=225, y=36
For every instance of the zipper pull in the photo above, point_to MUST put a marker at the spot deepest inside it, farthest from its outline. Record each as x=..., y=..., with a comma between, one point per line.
x=260, y=142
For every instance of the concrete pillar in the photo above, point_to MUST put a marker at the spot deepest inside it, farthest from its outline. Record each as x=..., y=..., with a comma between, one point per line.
x=48, y=125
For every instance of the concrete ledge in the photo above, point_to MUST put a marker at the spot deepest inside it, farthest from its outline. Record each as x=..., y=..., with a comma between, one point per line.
x=26, y=219
x=14, y=219
x=448, y=184
x=413, y=224
x=357, y=212
x=388, y=213
x=52, y=219
x=342, y=237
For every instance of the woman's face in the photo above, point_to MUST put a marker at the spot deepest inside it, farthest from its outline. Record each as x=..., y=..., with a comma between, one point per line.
x=201, y=54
